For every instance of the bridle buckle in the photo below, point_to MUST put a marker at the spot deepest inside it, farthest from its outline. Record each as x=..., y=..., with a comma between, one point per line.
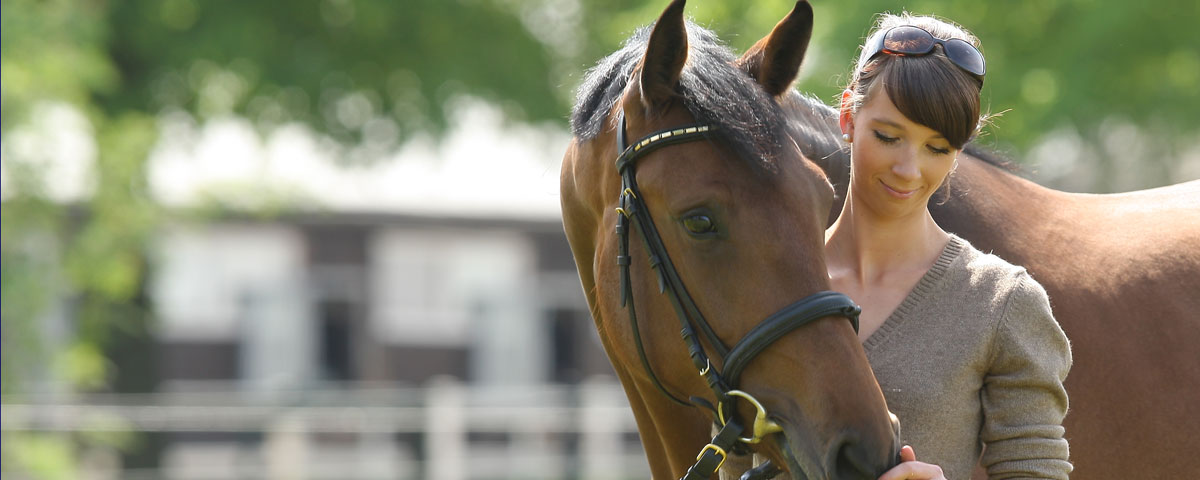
x=717, y=450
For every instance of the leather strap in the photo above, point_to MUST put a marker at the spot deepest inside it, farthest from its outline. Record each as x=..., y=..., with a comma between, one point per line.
x=805, y=311
x=714, y=454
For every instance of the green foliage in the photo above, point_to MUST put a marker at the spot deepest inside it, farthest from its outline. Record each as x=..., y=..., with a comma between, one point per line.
x=368, y=71
x=27, y=276
x=89, y=256
x=46, y=456
x=357, y=70
x=52, y=50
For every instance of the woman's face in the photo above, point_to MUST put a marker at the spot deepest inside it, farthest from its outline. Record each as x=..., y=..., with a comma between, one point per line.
x=896, y=164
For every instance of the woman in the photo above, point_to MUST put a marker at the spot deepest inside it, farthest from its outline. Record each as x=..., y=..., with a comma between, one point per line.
x=963, y=344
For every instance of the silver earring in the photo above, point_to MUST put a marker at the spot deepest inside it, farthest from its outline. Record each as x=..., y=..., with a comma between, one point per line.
x=846, y=137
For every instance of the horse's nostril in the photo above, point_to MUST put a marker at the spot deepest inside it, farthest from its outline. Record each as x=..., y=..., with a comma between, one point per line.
x=765, y=471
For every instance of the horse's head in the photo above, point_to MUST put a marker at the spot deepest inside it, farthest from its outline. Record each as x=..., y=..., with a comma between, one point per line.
x=730, y=223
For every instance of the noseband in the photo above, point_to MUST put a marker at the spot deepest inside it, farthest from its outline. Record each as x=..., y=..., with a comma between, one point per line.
x=723, y=383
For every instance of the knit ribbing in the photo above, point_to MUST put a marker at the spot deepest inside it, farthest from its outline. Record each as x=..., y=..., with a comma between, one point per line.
x=920, y=291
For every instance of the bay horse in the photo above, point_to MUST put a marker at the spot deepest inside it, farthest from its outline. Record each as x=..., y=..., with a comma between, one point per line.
x=1123, y=275
x=731, y=218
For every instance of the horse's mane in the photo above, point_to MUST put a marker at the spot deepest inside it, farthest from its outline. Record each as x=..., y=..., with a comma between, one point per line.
x=991, y=157
x=716, y=93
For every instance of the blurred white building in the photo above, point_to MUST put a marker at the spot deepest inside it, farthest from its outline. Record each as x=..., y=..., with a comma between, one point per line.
x=446, y=263
x=418, y=316
x=442, y=258
x=306, y=299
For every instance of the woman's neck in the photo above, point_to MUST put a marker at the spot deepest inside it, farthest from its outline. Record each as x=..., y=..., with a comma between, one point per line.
x=867, y=249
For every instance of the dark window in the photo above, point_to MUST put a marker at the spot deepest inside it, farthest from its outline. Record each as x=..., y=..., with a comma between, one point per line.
x=336, y=337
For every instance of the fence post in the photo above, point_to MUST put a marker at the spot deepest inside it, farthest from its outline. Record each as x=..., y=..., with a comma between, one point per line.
x=600, y=445
x=285, y=449
x=533, y=453
x=445, y=430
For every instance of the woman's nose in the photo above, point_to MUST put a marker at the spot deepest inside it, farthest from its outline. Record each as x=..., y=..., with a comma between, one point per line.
x=906, y=167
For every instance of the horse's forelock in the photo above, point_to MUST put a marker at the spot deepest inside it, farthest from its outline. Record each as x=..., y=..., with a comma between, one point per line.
x=715, y=92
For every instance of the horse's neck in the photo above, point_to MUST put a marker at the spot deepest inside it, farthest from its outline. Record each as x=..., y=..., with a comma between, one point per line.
x=998, y=211
x=814, y=127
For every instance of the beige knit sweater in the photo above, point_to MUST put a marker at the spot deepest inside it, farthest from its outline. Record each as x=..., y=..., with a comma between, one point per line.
x=974, y=357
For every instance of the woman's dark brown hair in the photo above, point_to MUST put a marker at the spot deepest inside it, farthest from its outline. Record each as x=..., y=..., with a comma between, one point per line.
x=928, y=89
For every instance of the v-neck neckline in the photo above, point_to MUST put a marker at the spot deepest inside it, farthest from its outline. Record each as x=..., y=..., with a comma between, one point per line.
x=919, y=293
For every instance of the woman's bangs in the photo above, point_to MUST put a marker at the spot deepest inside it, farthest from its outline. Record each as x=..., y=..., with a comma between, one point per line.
x=932, y=92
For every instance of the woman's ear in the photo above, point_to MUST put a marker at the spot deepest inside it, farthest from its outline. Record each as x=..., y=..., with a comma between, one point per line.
x=845, y=116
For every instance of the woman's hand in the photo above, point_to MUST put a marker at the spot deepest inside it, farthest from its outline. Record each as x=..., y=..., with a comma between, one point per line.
x=910, y=469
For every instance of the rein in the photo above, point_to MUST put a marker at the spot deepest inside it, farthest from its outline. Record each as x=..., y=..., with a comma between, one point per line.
x=723, y=383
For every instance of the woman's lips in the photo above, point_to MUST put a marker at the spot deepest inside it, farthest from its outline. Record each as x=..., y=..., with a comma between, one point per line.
x=897, y=192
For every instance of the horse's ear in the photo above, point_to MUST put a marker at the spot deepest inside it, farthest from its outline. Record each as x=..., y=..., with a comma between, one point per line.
x=665, y=55
x=775, y=60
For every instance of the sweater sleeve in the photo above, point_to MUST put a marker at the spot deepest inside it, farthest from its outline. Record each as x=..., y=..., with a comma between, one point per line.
x=1023, y=398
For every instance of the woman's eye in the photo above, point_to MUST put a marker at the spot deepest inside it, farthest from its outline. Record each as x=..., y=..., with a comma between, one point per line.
x=939, y=151
x=699, y=224
x=884, y=138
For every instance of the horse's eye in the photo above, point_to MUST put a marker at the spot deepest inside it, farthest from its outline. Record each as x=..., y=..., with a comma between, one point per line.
x=699, y=224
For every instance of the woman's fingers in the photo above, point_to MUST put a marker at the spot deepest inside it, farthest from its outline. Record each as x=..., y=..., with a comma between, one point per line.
x=914, y=471
x=911, y=469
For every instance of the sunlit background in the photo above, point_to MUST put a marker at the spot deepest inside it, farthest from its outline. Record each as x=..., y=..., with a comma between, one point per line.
x=321, y=238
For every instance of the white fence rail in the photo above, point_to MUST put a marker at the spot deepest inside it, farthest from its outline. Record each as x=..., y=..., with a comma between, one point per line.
x=445, y=431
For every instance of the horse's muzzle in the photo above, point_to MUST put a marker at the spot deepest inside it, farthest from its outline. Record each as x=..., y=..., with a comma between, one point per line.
x=850, y=456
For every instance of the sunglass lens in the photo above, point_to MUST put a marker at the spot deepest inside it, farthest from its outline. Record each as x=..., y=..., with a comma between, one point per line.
x=908, y=40
x=965, y=56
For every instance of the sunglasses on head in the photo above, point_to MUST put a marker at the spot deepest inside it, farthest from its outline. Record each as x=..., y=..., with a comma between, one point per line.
x=915, y=41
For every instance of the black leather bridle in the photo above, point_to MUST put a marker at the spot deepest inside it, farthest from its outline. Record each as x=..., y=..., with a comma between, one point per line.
x=723, y=383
